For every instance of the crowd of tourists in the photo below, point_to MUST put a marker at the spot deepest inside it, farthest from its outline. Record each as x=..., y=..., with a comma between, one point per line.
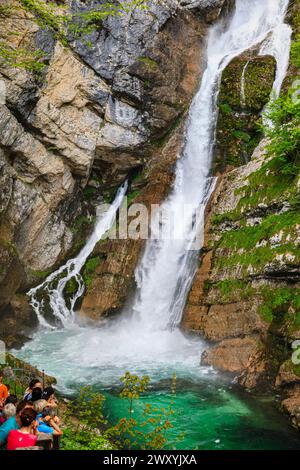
x=26, y=421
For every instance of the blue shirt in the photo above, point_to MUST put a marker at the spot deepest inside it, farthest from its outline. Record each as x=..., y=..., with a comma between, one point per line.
x=43, y=427
x=9, y=425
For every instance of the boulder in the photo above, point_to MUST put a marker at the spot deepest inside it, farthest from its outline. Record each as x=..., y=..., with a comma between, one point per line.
x=230, y=355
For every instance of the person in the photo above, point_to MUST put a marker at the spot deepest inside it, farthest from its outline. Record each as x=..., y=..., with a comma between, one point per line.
x=3, y=391
x=13, y=422
x=8, y=411
x=48, y=422
x=12, y=399
x=26, y=436
x=39, y=406
x=48, y=395
x=36, y=394
x=35, y=383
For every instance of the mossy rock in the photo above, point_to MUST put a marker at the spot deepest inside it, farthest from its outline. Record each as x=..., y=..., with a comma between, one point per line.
x=259, y=74
x=238, y=128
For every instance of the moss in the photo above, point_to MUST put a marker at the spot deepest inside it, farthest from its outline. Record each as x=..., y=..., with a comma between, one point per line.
x=248, y=237
x=239, y=124
x=132, y=195
x=89, y=192
x=259, y=74
x=89, y=270
x=81, y=223
x=234, y=290
x=151, y=63
x=268, y=186
x=71, y=287
x=257, y=258
x=279, y=306
x=296, y=369
x=278, y=302
x=109, y=195
x=40, y=274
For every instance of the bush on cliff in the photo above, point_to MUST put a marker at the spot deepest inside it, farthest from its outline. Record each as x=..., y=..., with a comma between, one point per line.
x=285, y=133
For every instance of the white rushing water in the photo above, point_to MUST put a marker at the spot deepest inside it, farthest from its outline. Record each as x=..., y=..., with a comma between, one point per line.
x=146, y=337
x=243, y=85
x=53, y=287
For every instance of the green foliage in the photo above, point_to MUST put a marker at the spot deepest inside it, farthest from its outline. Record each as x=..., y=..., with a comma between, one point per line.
x=149, y=432
x=151, y=63
x=82, y=223
x=21, y=57
x=62, y=23
x=265, y=186
x=132, y=195
x=232, y=290
x=226, y=108
x=285, y=132
x=89, y=192
x=90, y=269
x=247, y=237
x=133, y=386
x=46, y=15
x=239, y=128
x=5, y=11
x=276, y=302
x=295, y=52
x=71, y=286
x=84, y=423
x=87, y=428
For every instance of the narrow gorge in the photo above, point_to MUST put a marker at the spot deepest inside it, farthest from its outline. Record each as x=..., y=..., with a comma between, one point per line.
x=175, y=104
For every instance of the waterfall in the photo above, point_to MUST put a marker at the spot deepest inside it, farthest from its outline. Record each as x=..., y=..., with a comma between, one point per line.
x=145, y=337
x=168, y=267
x=71, y=270
x=243, y=92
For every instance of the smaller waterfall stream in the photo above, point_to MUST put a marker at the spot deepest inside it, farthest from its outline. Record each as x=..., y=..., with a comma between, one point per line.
x=243, y=80
x=72, y=270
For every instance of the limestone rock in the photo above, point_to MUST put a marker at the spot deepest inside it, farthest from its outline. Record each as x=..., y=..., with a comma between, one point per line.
x=17, y=321
x=287, y=375
x=231, y=355
x=63, y=113
x=231, y=321
x=291, y=405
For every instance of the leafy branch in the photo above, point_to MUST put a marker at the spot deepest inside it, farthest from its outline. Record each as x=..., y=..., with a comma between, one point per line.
x=65, y=26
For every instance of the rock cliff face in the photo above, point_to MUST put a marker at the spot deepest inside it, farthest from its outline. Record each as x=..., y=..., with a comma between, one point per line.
x=101, y=111
x=245, y=296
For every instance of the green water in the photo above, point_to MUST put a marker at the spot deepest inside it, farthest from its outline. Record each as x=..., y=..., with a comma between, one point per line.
x=210, y=411
x=215, y=417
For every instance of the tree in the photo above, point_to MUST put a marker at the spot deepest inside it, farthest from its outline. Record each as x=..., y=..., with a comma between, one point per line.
x=149, y=432
x=86, y=426
x=64, y=24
